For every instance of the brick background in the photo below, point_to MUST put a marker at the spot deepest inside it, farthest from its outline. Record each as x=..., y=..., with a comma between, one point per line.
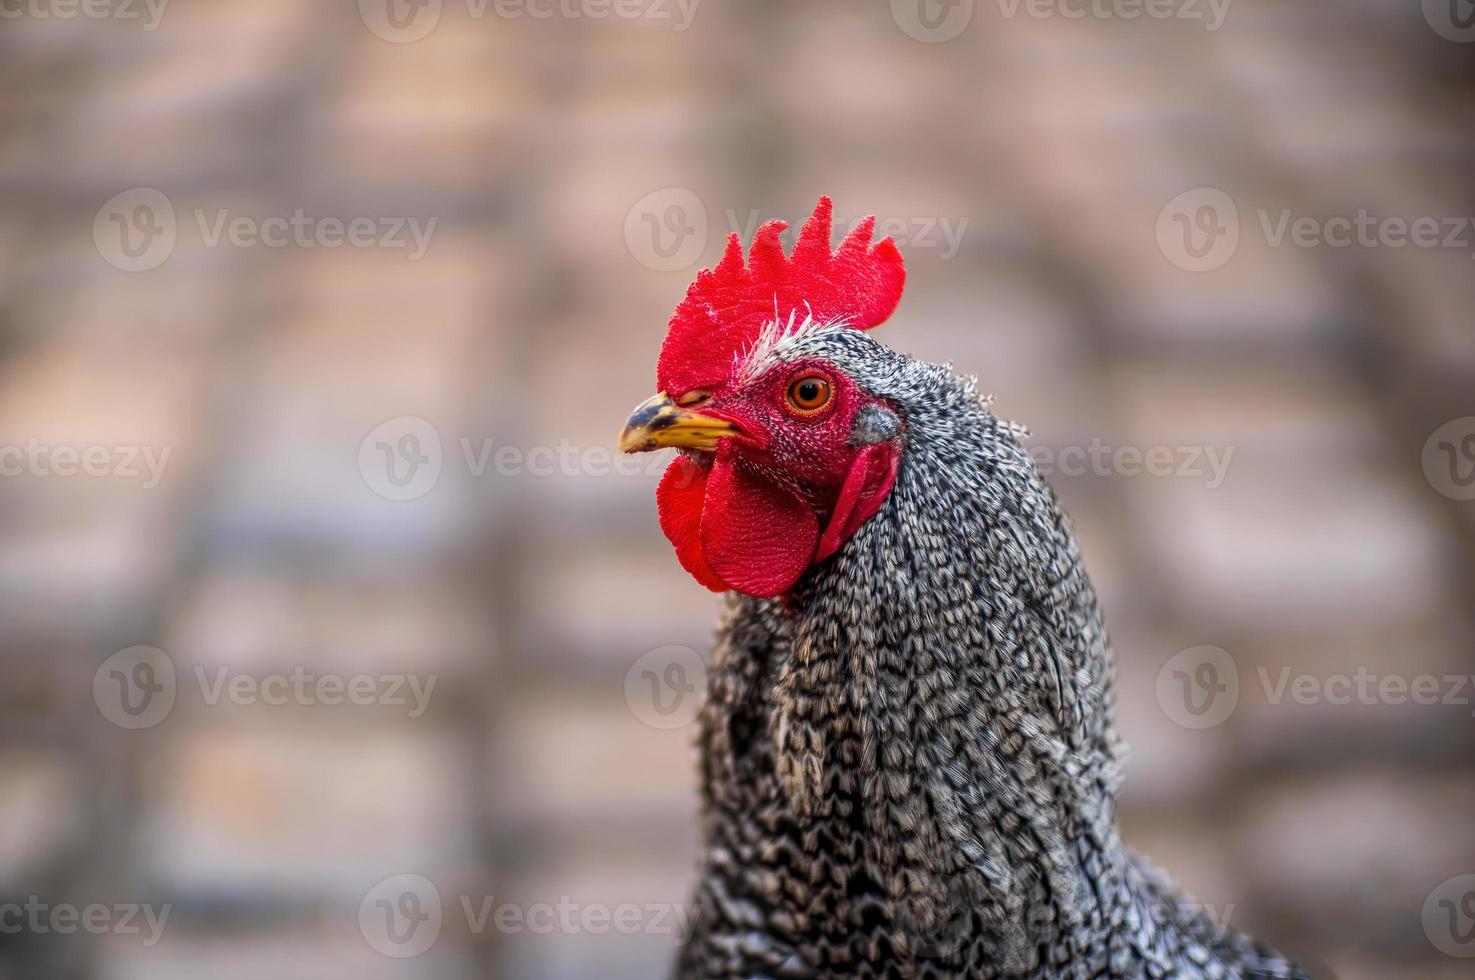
x=528, y=589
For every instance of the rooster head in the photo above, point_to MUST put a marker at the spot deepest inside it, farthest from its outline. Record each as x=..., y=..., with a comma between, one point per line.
x=783, y=456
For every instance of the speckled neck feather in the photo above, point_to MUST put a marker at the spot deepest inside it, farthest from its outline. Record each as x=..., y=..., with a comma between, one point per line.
x=909, y=764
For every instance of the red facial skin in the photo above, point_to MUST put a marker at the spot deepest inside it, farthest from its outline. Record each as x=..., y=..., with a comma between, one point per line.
x=810, y=450
x=786, y=493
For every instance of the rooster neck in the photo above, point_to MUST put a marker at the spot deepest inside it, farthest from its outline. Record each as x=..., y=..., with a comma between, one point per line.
x=939, y=690
x=959, y=621
x=909, y=763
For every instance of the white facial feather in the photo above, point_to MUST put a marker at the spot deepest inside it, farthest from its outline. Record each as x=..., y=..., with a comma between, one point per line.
x=773, y=340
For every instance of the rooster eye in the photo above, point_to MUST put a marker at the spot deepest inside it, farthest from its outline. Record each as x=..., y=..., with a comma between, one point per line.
x=809, y=393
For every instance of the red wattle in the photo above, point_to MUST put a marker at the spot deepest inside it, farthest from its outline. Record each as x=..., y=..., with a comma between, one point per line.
x=757, y=535
x=734, y=528
x=864, y=491
x=679, y=499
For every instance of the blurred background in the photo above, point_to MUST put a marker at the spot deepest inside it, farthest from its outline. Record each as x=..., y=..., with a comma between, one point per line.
x=337, y=644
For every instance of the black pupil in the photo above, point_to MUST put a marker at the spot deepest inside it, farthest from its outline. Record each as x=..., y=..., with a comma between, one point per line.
x=809, y=391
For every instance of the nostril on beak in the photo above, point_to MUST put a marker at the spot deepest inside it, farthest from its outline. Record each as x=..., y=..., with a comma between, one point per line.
x=659, y=423
x=645, y=417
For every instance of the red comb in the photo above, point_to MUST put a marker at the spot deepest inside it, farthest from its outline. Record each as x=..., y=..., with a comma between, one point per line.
x=727, y=306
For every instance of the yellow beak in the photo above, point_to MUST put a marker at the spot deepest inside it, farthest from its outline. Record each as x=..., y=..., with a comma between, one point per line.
x=659, y=422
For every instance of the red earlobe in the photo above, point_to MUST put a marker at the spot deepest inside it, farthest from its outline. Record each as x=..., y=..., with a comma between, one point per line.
x=864, y=491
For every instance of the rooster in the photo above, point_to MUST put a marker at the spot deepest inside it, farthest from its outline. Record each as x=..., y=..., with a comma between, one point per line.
x=908, y=760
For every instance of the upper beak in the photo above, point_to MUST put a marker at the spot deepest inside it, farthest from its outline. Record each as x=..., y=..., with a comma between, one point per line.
x=659, y=422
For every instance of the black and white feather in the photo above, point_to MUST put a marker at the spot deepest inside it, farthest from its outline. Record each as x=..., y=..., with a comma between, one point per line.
x=909, y=764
